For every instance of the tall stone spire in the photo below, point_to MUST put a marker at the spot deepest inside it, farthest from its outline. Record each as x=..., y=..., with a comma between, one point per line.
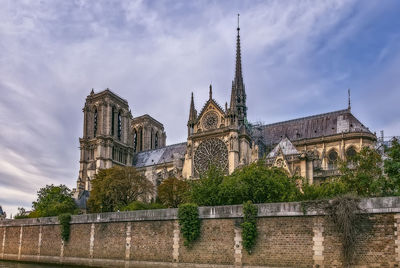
x=238, y=94
x=192, y=112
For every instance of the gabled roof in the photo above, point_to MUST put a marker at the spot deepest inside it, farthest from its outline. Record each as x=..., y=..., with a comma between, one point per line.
x=285, y=146
x=147, y=117
x=206, y=104
x=1, y=211
x=159, y=156
x=311, y=127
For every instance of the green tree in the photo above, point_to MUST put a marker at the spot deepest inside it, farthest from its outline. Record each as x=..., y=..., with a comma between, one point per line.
x=363, y=173
x=22, y=214
x=259, y=184
x=206, y=190
x=328, y=189
x=137, y=205
x=392, y=168
x=117, y=187
x=54, y=200
x=172, y=192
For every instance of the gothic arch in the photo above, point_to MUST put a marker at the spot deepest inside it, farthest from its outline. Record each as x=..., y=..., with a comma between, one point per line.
x=351, y=151
x=333, y=158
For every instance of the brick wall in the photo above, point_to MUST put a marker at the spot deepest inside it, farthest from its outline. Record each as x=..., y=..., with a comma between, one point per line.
x=286, y=238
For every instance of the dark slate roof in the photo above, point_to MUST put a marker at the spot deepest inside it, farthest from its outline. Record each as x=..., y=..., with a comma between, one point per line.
x=310, y=127
x=1, y=211
x=159, y=156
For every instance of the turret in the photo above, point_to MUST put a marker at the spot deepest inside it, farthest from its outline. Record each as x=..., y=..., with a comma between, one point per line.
x=192, y=116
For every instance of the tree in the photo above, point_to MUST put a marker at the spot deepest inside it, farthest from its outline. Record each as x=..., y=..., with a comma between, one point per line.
x=172, y=192
x=206, y=190
x=53, y=201
x=256, y=183
x=328, y=189
x=392, y=167
x=22, y=214
x=117, y=187
x=259, y=184
x=363, y=173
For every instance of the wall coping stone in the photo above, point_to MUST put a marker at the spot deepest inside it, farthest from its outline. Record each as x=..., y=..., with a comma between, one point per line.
x=369, y=205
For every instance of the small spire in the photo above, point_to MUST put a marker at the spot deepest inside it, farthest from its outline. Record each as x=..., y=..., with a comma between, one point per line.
x=192, y=112
x=349, y=99
x=210, y=91
x=238, y=28
x=92, y=92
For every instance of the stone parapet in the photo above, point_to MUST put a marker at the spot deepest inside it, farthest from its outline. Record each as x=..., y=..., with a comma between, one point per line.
x=368, y=205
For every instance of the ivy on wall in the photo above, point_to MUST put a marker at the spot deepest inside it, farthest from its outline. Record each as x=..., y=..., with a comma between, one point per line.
x=249, y=226
x=189, y=222
x=65, y=221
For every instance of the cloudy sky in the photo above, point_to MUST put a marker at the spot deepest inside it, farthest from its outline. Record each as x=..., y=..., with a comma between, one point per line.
x=299, y=58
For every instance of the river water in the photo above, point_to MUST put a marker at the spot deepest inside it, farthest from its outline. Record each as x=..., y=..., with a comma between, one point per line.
x=11, y=264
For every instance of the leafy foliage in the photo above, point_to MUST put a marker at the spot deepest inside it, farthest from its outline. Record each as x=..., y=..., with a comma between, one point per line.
x=329, y=189
x=392, y=167
x=189, y=222
x=137, y=205
x=363, y=175
x=206, y=190
x=22, y=214
x=65, y=220
x=249, y=226
x=256, y=182
x=259, y=184
x=116, y=188
x=53, y=201
x=172, y=192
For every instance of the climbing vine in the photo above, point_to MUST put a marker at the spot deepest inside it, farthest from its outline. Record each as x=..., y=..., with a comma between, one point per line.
x=189, y=222
x=348, y=220
x=249, y=227
x=65, y=221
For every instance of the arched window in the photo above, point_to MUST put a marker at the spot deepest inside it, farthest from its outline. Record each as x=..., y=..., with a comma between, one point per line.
x=332, y=159
x=156, y=141
x=134, y=140
x=151, y=138
x=112, y=121
x=119, y=126
x=141, y=139
x=350, y=153
x=95, y=123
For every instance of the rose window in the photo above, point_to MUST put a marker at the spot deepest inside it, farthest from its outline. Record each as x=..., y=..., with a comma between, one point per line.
x=210, y=120
x=211, y=152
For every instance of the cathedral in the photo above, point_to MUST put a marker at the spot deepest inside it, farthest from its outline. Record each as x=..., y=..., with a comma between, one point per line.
x=221, y=136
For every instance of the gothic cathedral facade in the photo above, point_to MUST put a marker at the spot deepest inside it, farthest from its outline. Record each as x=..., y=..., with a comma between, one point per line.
x=220, y=136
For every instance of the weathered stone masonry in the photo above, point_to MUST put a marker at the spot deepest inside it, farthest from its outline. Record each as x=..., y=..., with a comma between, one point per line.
x=286, y=238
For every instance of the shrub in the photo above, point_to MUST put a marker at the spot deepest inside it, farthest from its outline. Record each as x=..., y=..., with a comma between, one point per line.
x=137, y=205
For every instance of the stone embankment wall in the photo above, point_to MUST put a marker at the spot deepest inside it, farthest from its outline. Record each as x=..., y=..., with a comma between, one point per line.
x=286, y=238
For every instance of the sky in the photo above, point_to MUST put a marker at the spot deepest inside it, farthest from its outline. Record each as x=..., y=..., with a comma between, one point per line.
x=299, y=58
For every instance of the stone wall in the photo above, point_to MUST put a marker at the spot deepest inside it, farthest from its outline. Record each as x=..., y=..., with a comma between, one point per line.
x=286, y=238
